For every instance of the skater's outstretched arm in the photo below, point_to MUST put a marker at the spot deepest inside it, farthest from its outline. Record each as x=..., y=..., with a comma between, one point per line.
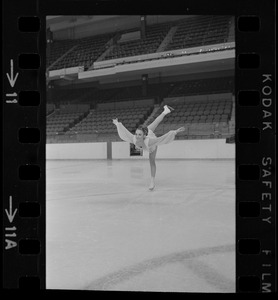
x=166, y=138
x=124, y=134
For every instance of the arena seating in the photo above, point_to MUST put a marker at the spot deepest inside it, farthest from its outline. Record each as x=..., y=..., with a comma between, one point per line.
x=88, y=50
x=59, y=48
x=61, y=121
x=100, y=121
x=191, y=112
x=50, y=107
x=203, y=117
x=154, y=36
x=200, y=118
x=191, y=32
x=206, y=117
x=204, y=30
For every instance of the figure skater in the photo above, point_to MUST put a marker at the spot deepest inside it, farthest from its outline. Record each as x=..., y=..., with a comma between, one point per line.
x=145, y=139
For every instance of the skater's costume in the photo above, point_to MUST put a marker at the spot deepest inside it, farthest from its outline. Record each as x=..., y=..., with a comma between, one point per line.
x=150, y=142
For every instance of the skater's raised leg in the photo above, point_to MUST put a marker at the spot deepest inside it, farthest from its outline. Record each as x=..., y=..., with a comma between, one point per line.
x=159, y=119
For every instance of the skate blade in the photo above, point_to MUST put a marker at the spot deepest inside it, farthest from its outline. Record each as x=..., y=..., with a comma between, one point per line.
x=171, y=108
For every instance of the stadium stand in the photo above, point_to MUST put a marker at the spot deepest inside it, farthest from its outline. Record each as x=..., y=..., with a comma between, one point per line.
x=196, y=102
x=206, y=115
x=58, y=49
x=199, y=31
x=154, y=36
x=203, y=106
x=50, y=107
x=100, y=121
x=87, y=51
x=191, y=32
x=65, y=118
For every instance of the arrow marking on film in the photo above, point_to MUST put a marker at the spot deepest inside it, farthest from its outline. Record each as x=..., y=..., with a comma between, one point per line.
x=11, y=77
x=10, y=213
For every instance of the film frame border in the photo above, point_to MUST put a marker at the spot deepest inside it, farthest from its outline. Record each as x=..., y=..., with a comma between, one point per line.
x=24, y=198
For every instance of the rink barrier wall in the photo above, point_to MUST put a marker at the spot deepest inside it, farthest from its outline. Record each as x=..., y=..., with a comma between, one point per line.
x=188, y=149
x=197, y=149
x=76, y=151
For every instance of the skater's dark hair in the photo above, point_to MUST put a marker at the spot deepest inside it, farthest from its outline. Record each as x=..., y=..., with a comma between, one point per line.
x=144, y=129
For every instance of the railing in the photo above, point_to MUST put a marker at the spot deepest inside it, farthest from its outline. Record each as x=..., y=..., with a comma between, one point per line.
x=165, y=55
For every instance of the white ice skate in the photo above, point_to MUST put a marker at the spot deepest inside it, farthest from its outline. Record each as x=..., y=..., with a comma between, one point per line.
x=152, y=185
x=167, y=109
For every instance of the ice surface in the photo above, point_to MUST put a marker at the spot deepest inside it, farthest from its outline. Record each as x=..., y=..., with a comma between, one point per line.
x=107, y=231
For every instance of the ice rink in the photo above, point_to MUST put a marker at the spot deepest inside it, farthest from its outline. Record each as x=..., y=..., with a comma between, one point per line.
x=106, y=231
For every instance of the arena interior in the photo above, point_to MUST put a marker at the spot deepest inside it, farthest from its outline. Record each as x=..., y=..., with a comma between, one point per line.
x=105, y=229
x=129, y=67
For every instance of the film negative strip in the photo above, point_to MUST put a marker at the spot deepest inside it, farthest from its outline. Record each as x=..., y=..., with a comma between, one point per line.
x=24, y=133
x=256, y=173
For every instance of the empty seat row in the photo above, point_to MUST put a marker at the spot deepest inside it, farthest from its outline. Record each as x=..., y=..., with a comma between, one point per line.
x=86, y=52
x=200, y=31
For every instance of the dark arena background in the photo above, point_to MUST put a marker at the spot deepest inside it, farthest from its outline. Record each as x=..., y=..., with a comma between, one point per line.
x=105, y=229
